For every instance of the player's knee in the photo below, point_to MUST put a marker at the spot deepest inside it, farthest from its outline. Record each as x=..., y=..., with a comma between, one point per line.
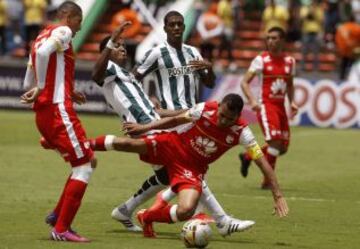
x=82, y=173
x=185, y=211
x=162, y=176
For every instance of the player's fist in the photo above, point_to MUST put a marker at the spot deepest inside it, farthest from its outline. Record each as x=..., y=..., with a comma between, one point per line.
x=255, y=106
x=294, y=109
x=78, y=97
x=30, y=96
x=119, y=30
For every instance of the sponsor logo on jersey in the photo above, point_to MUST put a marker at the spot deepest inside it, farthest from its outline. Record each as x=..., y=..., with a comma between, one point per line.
x=278, y=87
x=178, y=71
x=204, y=146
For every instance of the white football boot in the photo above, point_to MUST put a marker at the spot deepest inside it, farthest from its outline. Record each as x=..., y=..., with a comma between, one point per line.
x=231, y=225
x=122, y=215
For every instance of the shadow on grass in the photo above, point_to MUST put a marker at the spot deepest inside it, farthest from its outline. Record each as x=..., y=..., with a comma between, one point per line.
x=176, y=236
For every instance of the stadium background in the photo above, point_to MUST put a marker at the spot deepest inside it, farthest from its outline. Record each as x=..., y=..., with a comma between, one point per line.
x=325, y=98
x=321, y=173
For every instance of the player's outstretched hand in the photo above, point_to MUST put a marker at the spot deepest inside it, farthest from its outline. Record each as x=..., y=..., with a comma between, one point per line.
x=133, y=129
x=281, y=208
x=119, y=30
x=30, y=96
x=78, y=97
x=199, y=64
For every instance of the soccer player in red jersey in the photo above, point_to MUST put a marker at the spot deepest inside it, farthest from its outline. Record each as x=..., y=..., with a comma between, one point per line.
x=212, y=129
x=276, y=71
x=51, y=70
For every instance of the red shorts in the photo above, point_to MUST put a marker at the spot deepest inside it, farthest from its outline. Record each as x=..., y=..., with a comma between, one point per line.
x=274, y=122
x=60, y=126
x=184, y=172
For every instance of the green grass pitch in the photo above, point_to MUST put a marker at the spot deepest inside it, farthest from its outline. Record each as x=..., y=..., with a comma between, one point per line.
x=319, y=177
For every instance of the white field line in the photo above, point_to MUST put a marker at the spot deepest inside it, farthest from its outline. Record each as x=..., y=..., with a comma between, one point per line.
x=291, y=198
x=308, y=133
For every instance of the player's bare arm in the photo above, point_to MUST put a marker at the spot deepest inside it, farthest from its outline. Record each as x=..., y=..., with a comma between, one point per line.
x=133, y=129
x=290, y=94
x=98, y=73
x=207, y=75
x=169, y=113
x=245, y=86
x=280, y=205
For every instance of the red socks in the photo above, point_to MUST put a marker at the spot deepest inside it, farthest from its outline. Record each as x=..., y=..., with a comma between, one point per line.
x=247, y=156
x=98, y=144
x=158, y=215
x=72, y=196
x=61, y=200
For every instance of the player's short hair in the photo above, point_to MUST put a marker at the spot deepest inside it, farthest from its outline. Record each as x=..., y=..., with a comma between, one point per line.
x=170, y=14
x=69, y=7
x=279, y=30
x=234, y=102
x=103, y=43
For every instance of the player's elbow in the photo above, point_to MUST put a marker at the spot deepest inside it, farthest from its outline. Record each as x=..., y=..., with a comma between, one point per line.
x=95, y=76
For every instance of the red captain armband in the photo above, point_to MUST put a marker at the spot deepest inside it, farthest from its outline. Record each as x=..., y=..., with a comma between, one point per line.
x=255, y=151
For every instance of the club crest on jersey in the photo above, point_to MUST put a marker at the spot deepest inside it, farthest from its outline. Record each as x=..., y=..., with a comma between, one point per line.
x=278, y=87
x=269, y=68
x=229, y=139
x=188, y=174
x=204, y=146
x=178, y=71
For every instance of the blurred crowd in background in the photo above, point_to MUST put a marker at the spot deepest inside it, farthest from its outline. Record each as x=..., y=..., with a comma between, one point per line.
x=311, y=25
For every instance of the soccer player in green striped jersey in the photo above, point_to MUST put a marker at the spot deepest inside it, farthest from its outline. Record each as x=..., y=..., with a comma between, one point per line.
x=178, y=68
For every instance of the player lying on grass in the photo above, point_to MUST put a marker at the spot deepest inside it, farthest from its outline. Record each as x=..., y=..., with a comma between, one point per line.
x=213, y=128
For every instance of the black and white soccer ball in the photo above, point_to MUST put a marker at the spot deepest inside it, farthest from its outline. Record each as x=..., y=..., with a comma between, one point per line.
x=196, y=234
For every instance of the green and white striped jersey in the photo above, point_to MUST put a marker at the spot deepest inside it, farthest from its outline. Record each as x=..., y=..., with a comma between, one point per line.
x=126, y=96
x=176, y=82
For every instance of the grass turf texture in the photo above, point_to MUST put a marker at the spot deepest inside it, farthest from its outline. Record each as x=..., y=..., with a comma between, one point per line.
x=319, y=177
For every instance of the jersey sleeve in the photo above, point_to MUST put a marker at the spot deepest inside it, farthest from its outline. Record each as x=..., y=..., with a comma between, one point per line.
x=257, y=65
x=62, y=36
x=29, y=80
x=110, y=73
x=195, y=112
x=196, y=54
x=247, y=139
x=149, y=63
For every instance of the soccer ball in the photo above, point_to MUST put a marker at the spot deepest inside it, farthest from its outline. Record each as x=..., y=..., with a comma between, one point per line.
x=195, y=234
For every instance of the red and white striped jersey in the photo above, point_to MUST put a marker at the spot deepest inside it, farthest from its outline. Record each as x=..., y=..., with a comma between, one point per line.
x=275, y=74
x=61, y=66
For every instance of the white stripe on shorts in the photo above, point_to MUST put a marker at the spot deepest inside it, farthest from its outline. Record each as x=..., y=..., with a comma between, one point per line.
x=265, y=123
x=70, y=130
